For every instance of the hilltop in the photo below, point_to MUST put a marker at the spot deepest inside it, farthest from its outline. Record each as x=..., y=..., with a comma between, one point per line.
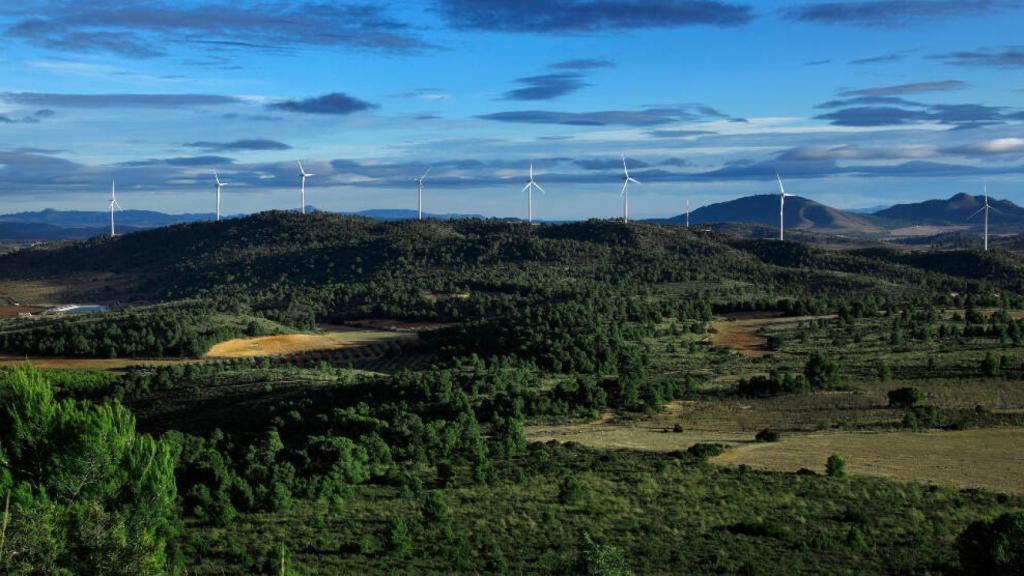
x=953, y=211
x=800, y=214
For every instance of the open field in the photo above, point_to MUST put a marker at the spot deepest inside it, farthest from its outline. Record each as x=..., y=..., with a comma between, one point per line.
x=924, y=230
x=63, y=290
x=333, y=338
x=982, y=458
x=741, y=331
x=967, y=459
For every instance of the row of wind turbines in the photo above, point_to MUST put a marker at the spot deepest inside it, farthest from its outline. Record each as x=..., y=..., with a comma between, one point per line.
x=531, y=184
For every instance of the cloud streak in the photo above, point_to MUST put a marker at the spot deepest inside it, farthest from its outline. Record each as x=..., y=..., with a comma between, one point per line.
x=639, y=118
x=116, y=100
x=546, y=86
x=899, y=89
x=890, y=13
x=145, y=28
x=239, y=145
x=1007, y=57
x=562, y=16
x=335, y=103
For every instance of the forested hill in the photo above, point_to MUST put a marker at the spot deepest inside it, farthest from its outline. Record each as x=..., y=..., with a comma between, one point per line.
x=278, y=258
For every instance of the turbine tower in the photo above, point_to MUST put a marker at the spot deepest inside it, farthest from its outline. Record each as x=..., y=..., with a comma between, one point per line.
x=782, y=205
x=530, y=185
x=687, y=212
x=986, y=208
x=304, y=175
x=219, y=185
x=626, y=179
x=419, y=195
x=113, y=205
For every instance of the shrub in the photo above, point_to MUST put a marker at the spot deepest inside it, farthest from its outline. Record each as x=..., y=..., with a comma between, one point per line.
x=767, y=435
x=774, y=383
x=993, y=546
x=601, y=559
x=570, y=491
x=905, y=397
x=435, y=508
x=703, y=451
x=822, y=372
x=399, y=541
x=990, y=365
x=835, y=466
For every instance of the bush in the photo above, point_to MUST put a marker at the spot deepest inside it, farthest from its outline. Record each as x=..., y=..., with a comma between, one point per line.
x=767, y=435
x=774, y=383
x=990, y=365
x=399, y=541
x=835, y=466
x=905, y=397
x=703, y=451
x=601, y=559
x=570, y=491
x=993, y=546
x=435, y=508
x=822, y=372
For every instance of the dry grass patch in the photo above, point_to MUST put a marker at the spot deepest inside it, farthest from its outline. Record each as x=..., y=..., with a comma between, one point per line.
x=741, y=331
x=336, y=337
x=982, y=458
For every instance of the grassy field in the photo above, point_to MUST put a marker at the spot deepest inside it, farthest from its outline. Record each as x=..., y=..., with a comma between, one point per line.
x=332, y=338
x=980, y=458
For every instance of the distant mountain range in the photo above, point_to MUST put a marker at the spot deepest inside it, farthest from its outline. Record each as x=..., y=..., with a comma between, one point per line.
x=802, y=214
x=808, y=215
x=49, y=224
x=955, y=211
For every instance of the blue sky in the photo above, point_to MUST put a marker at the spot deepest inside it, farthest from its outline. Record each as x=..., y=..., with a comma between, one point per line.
x=855, y=103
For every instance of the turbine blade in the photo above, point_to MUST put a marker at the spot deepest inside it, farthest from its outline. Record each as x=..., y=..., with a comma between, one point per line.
x=633, y=180
x=527, y=187
x=425, y=174
x=539, y=188
x=978, y=211
x=624, y=186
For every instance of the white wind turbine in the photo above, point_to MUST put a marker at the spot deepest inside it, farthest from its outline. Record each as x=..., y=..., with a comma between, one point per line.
x=687, y=212
x=419, y=194
x=782, y=206
x=986, y=208
x=530, y=185
x=626, y=179
x=304, y=175
x=113, y=205
x=219, y=185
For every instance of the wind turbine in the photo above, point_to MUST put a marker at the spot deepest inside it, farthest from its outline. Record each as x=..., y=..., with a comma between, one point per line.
x=530, y=185
x=113, y=205
x=626, y=179
x=986, y=208
x=687, y=212
x=219, y=185
x=419, y=195
x=782, y=205
x=304, y=174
